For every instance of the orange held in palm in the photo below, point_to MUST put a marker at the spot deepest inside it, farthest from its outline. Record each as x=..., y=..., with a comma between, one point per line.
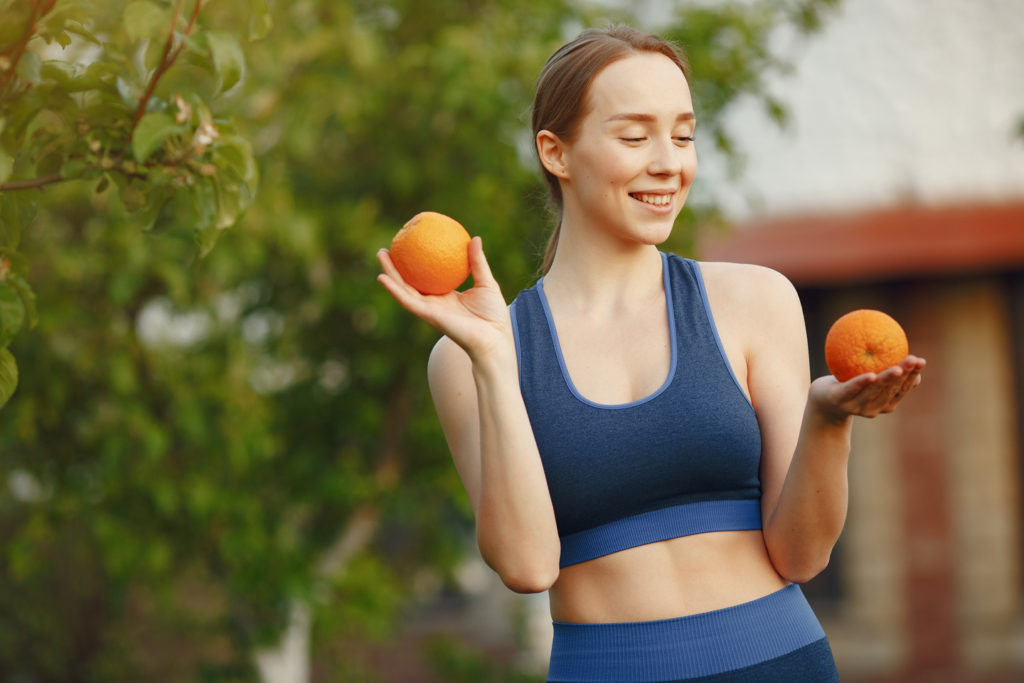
x=431, y=252
x=864, y=341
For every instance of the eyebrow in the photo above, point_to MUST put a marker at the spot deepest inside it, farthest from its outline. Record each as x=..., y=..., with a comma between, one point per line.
x=646, y=118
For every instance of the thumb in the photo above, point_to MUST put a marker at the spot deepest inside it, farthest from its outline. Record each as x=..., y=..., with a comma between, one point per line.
x=478, y=264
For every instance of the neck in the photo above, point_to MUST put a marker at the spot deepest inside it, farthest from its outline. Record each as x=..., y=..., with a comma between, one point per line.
x=590, y=270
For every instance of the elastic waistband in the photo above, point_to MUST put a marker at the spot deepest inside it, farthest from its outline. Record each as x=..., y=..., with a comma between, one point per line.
x=660, y=525
x=685, y=647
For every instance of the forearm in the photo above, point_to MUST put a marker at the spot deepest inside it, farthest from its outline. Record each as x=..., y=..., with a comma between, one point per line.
x=516, y=529
x=802, y=529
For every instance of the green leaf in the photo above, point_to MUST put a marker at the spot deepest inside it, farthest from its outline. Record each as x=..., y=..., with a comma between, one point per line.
x=6, y=165
x=17, y=209
x=260, y=19
x=8, y=375
x=228, y=58
x=153, y=129
x=72, y=168
x=143, y=19
x=12, y=314
x=28, y=297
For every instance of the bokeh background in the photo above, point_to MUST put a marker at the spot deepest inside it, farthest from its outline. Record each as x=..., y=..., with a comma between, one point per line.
x=221, y=461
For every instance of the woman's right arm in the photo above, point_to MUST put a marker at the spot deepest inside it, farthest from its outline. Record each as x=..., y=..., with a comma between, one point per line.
x=474, y=382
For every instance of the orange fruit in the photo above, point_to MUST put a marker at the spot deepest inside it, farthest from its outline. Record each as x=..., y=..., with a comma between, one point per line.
x=864, y=341
x=431, y=252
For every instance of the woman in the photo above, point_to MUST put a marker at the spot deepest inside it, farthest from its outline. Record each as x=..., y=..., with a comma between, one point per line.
x=637, y=433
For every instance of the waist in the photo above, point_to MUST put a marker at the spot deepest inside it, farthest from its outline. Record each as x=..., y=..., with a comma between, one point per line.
x=672, y=578
x=707, y=644
x=666, y=523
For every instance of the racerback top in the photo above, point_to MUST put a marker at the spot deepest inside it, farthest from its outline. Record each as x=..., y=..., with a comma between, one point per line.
x=682, y=460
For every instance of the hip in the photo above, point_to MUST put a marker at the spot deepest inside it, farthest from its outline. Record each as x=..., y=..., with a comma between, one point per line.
x=776, y=637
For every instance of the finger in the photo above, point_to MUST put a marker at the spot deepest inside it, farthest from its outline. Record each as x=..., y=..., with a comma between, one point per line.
x=478, y=265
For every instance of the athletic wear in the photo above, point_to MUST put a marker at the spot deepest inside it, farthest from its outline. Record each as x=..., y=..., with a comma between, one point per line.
x=774, y=639
x=683, y=460
x=680, y=461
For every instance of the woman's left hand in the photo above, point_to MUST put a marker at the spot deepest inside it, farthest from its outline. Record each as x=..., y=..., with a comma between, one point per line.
x=867, y=395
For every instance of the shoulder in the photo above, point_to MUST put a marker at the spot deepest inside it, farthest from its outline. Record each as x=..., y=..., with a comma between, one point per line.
x=749, y=287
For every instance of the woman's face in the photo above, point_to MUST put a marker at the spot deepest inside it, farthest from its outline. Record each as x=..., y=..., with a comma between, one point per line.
x=630, y=168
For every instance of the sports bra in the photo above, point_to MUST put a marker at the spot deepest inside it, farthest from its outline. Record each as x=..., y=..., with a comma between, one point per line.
x=682, y=460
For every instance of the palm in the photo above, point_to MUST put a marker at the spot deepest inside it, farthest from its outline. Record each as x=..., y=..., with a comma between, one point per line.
x=476, y=319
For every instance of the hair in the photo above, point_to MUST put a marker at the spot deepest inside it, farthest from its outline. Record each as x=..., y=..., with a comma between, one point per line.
x=560, y=100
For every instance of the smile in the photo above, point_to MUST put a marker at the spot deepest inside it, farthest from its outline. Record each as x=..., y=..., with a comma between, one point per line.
x=655, y=199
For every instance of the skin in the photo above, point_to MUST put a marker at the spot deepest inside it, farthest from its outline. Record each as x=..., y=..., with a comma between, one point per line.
x=607, y=299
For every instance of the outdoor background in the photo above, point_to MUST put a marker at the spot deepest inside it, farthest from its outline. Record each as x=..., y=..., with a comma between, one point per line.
x=218, y=456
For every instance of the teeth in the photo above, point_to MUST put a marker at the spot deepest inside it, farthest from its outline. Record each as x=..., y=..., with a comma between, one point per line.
x=656, y=199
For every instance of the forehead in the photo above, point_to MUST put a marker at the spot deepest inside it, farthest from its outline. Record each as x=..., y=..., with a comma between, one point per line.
x=647, y=82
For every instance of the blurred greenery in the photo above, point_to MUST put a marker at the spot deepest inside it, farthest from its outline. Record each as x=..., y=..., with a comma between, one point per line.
x=203, y=437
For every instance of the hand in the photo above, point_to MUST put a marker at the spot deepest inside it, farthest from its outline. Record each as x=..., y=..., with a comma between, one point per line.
x=867, y=395
x=476, y=319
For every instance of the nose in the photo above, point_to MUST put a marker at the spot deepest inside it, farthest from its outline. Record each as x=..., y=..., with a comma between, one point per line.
x=667, y=157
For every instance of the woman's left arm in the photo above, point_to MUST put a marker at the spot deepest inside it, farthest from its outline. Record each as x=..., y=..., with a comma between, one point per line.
x=805, y=428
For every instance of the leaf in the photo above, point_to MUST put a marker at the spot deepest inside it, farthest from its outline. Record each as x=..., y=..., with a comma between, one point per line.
x=228, y=59
x=17, y=209
x=153, y=129
x=143, y=19
x=28, y=297
x=8, y=375
x=6, y=165
x=12, y=314
x=260, y=19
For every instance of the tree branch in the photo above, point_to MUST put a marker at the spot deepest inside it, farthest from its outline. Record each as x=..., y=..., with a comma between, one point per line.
x=170, y=54
x=30, y=183
x=40, y=8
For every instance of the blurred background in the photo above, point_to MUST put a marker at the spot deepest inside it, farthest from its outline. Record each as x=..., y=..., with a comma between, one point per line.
x=218, y=458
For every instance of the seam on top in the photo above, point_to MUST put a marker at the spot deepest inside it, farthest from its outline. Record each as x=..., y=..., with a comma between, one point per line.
x=674, y=355
x=695, y=268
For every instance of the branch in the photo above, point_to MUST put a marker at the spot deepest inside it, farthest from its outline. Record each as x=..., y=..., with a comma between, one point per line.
x=40, y=8
x=30, y=183
x=170, y=54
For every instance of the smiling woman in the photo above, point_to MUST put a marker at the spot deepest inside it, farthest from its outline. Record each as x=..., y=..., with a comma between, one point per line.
x=628, y=436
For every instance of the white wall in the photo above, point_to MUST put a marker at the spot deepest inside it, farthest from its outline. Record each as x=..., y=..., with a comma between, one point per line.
x=893, y=101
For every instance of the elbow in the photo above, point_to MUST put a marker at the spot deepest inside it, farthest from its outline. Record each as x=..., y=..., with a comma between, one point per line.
x=529, y=580
x=523, y=574
x=802, y=572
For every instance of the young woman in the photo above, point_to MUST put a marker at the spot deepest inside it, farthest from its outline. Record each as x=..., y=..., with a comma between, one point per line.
x=637, y=432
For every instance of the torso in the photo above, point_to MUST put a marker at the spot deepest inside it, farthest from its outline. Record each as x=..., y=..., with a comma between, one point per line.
x=681, y=576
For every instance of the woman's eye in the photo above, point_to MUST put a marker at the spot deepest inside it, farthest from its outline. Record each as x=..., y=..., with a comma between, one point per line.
x=685, y=138
x=633, y=139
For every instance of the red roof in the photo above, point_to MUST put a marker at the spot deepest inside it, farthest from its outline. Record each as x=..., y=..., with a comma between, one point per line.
x=877, y=245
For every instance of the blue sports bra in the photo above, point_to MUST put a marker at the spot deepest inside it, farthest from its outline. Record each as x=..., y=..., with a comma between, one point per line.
x=683, y=460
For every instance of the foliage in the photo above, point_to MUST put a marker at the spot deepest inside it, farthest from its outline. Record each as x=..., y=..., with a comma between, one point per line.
x=205, y=435
x=115, y=94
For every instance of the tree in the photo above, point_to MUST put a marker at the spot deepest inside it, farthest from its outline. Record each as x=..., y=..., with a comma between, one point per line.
x=222, y=443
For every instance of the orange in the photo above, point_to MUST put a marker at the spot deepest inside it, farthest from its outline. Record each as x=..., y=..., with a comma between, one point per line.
x=864, y=341
x=431, y=252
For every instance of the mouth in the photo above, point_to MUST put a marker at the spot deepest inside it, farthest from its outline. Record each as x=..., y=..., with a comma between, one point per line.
x=654, y=199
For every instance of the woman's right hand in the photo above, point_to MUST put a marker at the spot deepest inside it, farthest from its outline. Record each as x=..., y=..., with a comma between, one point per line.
x=476, y=319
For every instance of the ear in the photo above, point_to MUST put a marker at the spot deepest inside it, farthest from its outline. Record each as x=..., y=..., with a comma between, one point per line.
x=552, y=153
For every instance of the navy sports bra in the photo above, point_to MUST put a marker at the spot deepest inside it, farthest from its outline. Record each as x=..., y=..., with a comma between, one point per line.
x=683, y=460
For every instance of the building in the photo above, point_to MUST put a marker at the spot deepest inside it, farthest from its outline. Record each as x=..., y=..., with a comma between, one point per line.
x=900, y=186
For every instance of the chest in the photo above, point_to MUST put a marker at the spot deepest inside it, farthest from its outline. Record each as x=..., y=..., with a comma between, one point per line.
x=619, y=358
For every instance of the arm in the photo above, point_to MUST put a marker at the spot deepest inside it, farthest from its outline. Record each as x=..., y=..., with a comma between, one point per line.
x=474, y=383
x=806, y=430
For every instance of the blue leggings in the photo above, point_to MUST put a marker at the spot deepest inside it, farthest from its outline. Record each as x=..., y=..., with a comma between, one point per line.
x=773, y=639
